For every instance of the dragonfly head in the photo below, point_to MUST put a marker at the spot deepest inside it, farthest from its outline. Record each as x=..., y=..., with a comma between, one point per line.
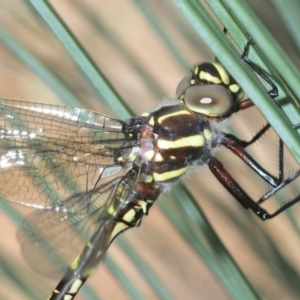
x=210, y=91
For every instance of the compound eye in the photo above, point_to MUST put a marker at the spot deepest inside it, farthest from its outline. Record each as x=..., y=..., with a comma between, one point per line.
x=183, y=85
x=209, y=100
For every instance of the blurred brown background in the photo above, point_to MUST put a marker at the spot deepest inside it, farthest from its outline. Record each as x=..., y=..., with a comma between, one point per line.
x=137, y=62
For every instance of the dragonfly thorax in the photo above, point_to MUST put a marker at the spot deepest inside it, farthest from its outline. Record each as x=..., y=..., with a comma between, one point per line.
x=172, y=139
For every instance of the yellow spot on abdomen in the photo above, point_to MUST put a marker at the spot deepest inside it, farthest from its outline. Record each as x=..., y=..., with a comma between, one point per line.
x=128, y=217
x=75, y=286
x=143, y=205
x=119, y=227
x=74, y=264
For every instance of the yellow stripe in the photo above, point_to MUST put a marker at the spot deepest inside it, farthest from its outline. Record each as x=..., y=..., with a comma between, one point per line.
x=207, y=133
x=158, y=157
x=206, y=76
x=169, y=175
x=128, y=217
x=119, y=227
x=191, y=141
x=75, y=286
x=234, y=88
x=74, y=264
x=111, y=210
x=143, y=205
x=223, y=73
x=196, y=70
x=177, y=113
x=151, y=121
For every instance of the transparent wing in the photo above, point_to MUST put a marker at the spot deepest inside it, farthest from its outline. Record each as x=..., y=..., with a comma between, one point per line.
x=52, y=238
x=50, y=152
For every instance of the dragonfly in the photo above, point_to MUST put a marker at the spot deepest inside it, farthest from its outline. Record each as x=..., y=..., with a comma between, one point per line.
x=91, y=177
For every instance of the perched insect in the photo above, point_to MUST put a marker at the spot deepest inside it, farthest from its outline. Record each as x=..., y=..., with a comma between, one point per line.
x=92, y=177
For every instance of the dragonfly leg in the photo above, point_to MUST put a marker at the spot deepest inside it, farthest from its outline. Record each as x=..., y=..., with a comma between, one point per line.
x=238, y=146
x=243, y=198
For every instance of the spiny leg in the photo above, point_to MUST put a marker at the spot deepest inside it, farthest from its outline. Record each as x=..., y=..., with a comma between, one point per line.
x=273, y=92
x=243, y=198
x=238, y=146
x=244, y=57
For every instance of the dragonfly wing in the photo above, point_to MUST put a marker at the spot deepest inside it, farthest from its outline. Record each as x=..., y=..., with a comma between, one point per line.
x=50, y=152
x=52, y=238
